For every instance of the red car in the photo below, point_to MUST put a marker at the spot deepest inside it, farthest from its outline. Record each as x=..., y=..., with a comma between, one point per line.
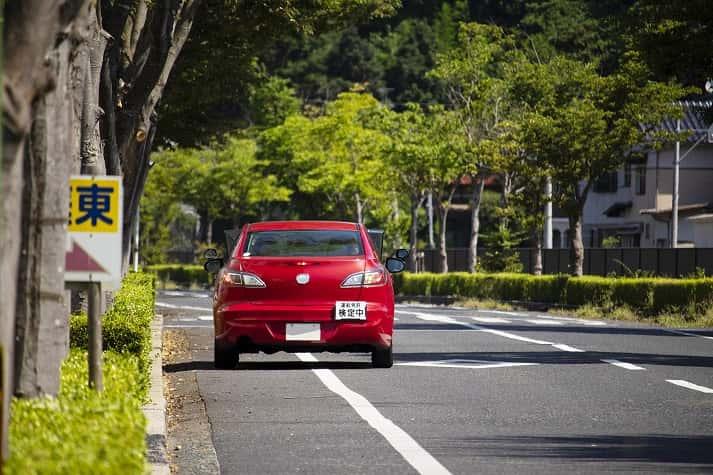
x=304, y=286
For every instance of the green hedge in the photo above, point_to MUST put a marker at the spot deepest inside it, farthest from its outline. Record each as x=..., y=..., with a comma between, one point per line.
x=183, y=275
x=126, y=326
x=82, y=431
x=646, y=296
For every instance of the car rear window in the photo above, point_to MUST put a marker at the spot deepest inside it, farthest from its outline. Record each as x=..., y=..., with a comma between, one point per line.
x=303, y=243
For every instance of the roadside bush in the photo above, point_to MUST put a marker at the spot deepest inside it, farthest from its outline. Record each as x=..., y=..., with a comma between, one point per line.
x=672, y=295
x=644, y=296
x=589, y=290
x=180, y=275
x=82, y=431
x=633, y=293
x=126, y=326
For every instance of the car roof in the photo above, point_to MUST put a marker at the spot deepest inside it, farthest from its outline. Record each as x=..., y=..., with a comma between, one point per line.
x=305, y=225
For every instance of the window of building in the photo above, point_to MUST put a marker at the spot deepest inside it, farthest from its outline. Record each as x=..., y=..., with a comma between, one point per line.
x=627, y=174
x=606, y=183
x=640, y=180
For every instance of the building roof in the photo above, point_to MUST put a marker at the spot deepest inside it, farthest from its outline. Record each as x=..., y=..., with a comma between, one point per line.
x=693, y=118
x=690, y=209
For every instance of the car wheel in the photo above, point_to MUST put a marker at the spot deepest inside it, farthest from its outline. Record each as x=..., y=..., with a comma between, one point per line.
x=225, y=358
x=382, y=357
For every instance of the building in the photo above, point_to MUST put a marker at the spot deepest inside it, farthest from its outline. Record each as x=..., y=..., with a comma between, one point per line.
x=634, y=204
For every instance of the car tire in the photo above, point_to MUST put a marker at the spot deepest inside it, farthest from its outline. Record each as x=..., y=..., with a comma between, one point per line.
x=225, y=358
x=382, y=357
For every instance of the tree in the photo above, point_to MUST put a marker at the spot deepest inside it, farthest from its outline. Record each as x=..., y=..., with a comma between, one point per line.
x=113, y=60
x=674, y=39
x=580, y=125
x=472, y=73
x=411, y=155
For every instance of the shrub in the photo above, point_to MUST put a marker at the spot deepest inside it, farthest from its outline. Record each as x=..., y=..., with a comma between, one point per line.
x=181, y=275
x=672, y=295
x=633, y=293
x=82, y=431
x=589, y=290
x=126, y=327
x=645, y=296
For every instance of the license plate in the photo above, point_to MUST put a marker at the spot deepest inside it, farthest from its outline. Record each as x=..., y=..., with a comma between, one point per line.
x=352, y=310
x=303, y=332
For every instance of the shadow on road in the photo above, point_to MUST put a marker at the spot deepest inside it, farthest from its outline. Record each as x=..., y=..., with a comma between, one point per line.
x=266, y=366
x=558, y=357
x=653, y=449
x=573, y=328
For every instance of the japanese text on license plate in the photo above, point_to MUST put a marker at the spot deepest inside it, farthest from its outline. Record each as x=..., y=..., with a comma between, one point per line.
x=353, y=310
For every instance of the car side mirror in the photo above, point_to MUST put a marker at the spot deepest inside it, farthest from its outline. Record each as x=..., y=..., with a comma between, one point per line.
x=394, y=265
x=212, y=266
x=401, y=254
x=210, y=253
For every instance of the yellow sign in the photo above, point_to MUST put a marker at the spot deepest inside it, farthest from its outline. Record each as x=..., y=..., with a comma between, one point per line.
x=94, y=205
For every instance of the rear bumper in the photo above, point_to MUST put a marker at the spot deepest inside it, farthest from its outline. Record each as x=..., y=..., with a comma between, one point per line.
x=262, y=328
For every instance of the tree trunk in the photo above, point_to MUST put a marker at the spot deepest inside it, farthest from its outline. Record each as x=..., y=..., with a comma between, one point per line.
x=42, y=326
x=209, y=232
x=475, y=199
x=29, y=30
x=443, y=209
x=397, y=219
x=537, y=255
x=442, y=251
x=413, y=233
x=159, y=42
x=359, y=208
x=577, y=246
x=91, y=53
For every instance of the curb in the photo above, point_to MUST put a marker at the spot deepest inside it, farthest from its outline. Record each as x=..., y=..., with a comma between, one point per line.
x=155, y=409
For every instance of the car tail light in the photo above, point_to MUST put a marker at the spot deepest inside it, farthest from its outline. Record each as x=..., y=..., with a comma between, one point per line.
x=242, y=279
x=366, y=279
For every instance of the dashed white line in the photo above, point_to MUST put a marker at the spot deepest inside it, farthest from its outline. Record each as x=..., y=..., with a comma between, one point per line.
x=503, y=312
x=422, y=461
x=679, y=332
x=624, y=365
x=180, y=307
x=567, y=348
x=544, y=322
x=685, y=384
x=490, y=320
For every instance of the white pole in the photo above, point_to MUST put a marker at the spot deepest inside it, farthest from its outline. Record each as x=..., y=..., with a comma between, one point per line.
x=674, y=204
x=429, y=206
x=136, y=243
x=548, y=214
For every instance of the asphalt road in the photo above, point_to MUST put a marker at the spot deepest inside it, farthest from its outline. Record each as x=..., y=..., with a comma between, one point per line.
x=470, y=392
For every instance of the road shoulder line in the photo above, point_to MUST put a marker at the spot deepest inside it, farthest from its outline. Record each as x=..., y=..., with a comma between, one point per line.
x=422, y=461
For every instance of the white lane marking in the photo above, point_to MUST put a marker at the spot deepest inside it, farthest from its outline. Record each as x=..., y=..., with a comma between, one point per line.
x=442, y=319
x=172, y=325
x=593, y=323
x=206, y=317
x=568, y=348
x=571, y=319
x=465, y=364
x=422, y=461
x=490, y=320
x=679, y=332
x=544, y=322
x=624, y=365
x=172, y=293
x=685, y=384
x=503, y=312
x=180, y=307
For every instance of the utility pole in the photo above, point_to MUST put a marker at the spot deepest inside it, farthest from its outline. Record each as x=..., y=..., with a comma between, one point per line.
x=674, y=204
x=548, y=214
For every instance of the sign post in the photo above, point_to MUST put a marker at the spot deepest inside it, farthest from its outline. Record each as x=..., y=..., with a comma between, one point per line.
x=93, y=255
